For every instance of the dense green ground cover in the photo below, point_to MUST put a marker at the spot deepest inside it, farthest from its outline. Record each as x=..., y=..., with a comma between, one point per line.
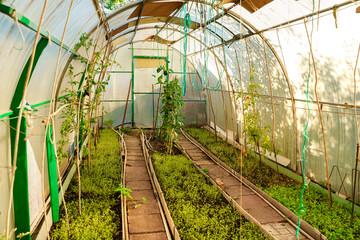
x=197, y=207
x=334, y=223
x=101, y=209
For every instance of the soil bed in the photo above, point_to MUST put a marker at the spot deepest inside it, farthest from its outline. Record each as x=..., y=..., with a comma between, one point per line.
x=197, y=207
x=334, y=223
x=101, y=207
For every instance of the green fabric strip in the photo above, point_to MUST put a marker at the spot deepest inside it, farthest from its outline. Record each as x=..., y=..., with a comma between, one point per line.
x=53, y=180
x=21, y=184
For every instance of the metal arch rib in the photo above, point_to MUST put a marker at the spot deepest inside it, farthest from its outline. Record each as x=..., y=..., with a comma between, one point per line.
x=146, y=28
x=138, y=19
x=138, y=23
x=131, y=5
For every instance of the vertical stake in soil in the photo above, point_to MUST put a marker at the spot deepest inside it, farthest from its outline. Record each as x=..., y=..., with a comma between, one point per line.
x=228, y=81
x=192, y=91
x=321, y=119
x=126, y=105
x=272, y=109
x=153, y=105
x=212, y=110
x=283, y=66
x=357, y=137
x=157, y=109
x=242, y=101
x=223, y=100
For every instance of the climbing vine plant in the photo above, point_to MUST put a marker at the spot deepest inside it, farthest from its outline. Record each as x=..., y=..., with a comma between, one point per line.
x=172, y=101
x=83, y=97
x=256, y=135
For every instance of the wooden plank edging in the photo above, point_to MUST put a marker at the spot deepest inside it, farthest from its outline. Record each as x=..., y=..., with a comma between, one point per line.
x=158, y=191
x=291, y=217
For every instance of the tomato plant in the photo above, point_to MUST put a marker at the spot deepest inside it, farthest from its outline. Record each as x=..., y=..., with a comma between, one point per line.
x=256, y=135
x=172, y=102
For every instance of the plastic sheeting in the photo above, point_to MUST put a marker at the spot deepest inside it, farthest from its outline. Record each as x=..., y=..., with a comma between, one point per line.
x=335, y=43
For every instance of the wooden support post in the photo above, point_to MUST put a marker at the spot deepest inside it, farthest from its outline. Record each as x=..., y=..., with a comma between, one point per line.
x=228, y=80
x=212, y=109
x=357, y=137
x=223, y=99
x=242, y=99
x=321, y=119
x=127, y=101
x=272, y=109
x=196, y=112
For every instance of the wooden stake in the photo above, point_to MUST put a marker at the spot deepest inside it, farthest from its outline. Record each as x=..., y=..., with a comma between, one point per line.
x=283, y=66
x=224, y=107
x=192, y=91
x=321, y=119
x=357, y=137
x=212, y=109
x=272, y=109
x=153, y=105
x=126, y=105
x=228, y=80
x=157, y=109
x=242, y=99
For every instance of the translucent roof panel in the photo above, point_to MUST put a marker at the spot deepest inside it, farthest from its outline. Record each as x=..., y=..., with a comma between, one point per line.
x=118, y=19
x=208, y=38
x=232, y=25
x=120, y=41
x=196, y=10
x=220, y=31
x=280, y=11
x=142, y=34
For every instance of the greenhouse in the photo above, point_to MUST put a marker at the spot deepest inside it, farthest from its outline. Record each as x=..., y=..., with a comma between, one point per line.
x=179, y=119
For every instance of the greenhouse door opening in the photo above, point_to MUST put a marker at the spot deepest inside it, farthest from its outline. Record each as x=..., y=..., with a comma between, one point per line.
x=145, y=91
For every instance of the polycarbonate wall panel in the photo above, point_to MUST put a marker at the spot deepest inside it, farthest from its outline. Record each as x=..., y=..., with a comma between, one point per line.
x=118, y=19
x=42, y=79
x=144, y=110
x=14, y=55
x=144, y=69
x=55, y=16
x=144, y=79
x=37, y=165
x=219, y=30
x=65, y=81
x=118, y=86
x=195, y=113
x=280, y=11
x=150, y=49
x=142, y=34
x=123, y=58
x=124, y=40
x=5, y=169
x=232, y=25
x=115, y=111
x=221, y=104
x=335, y=52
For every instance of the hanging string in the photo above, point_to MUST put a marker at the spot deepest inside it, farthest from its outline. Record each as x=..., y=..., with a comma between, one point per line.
x=187, y=24
x=14, y=15
x=198, y=89
x=305, y=133
x=222, y=37
x=172, y=52
x=157, y=46
x=207, y=40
